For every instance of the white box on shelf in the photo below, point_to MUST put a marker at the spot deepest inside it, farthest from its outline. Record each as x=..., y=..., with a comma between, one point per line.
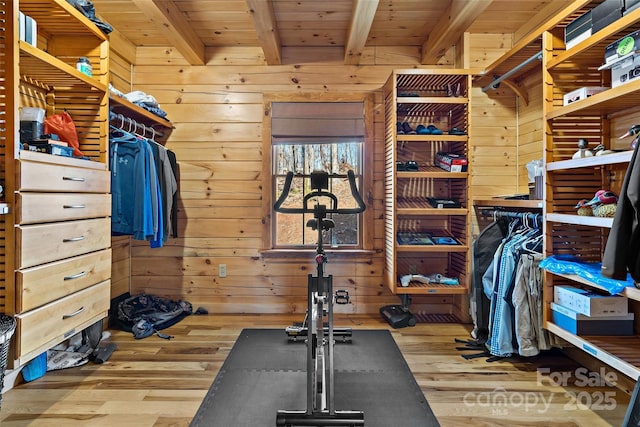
x=580, y=324
x=582, y=93
x=590, y=303
x=624, y=69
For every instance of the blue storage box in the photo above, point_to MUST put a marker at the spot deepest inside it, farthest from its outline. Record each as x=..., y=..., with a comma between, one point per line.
x=36, y=368
x=581, y=324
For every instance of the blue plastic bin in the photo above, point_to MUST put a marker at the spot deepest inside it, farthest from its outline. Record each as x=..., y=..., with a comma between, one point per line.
x=36, y=368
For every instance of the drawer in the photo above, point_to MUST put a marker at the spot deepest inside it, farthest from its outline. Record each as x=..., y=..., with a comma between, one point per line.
x=42, y=243
x=32, y=208
x=35, y=176
x=40, y=285
x=60, y=319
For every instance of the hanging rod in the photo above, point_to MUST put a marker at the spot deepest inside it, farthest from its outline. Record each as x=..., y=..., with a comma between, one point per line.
x=524, y=216
x=496, y=82
x=132, y=125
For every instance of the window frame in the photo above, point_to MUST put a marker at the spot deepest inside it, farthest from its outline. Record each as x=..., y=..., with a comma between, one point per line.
x=367, y=223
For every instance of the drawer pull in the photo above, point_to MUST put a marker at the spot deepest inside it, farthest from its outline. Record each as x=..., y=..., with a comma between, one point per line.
x=75, y=313
x=76, y=276
x=74, y=239
x=73, y=178
x=74, y=206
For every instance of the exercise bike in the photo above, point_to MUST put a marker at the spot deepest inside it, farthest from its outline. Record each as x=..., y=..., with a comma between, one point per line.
x=320, y=337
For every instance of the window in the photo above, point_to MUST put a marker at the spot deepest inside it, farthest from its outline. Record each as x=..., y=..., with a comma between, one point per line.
x=308, y=136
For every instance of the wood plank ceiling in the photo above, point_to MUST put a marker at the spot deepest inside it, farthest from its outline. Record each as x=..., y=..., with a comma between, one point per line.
x=192, y=26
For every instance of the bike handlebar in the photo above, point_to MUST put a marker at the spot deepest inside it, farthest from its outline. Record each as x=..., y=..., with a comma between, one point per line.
x=334, y=209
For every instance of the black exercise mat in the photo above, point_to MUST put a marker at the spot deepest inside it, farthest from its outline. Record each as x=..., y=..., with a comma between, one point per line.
x=265, y=372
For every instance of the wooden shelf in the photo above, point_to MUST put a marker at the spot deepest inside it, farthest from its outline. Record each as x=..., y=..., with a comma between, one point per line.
x=432, y=138
x=621, y=353
x=137, y=113
x=436, y=100
x=593, y=221
x=49, y=70
x=630, y=292
x=432, y=248
x=592, y=49
x=416, y=288
x=529, y=46
x=508, y=203
x=430, y=211
x=432, y=172
x=421, y=206
x=589, y=162
x=60, y=17
x=602, y=104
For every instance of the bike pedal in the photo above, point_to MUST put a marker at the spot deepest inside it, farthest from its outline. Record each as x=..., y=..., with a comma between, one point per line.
x=342, y=296
x=293, y=330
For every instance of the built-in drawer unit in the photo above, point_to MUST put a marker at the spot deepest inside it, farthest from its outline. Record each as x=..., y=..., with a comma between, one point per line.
x=42, y=243
x=36, y=176
x=32, y=208
x=40, y=285
x=62, y=318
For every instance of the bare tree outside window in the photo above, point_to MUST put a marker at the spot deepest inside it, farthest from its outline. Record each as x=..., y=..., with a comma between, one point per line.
x=328, y=147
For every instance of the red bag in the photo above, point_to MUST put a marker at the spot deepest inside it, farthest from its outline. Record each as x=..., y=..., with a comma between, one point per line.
x=62, y=125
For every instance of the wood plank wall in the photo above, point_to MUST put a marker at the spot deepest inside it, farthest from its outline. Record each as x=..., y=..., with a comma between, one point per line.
x=217, y=113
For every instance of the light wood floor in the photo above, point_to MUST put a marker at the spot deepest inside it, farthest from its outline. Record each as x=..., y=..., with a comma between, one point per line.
x=159, y=383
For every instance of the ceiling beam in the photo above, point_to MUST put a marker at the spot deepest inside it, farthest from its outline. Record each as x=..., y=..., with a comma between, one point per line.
x=364, y=11
x=264, y=19
x=166, y=15
x=457, y=18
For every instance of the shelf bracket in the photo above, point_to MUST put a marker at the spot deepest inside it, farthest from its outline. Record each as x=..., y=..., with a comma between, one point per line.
x=522, y=93
x=496, y=81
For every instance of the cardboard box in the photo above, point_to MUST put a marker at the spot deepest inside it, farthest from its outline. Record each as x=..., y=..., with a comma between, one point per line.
x=451, y=162
x=622, y=47
x=580, y=324
x=578, y=30
x=590, y=303
x=582, y=93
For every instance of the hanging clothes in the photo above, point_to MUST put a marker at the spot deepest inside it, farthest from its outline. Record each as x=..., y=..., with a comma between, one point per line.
x=513, y=284
x=130, y=186
x=168, y=187
x=483, y=249
x=144, y=188
x=527, y=301
x=622, y=252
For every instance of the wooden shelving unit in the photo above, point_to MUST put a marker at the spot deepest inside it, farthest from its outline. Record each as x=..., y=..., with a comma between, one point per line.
x=513, y=63
x=568, y=180
x=33, y=288
x=407, y=207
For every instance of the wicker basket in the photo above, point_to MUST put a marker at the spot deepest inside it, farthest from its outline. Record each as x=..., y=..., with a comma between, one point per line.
x=7, y=327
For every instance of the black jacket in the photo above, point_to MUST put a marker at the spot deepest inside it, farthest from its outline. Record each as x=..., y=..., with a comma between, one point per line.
x=622, y=252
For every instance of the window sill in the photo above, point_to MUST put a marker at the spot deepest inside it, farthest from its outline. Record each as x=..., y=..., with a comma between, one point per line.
x=308, y=253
